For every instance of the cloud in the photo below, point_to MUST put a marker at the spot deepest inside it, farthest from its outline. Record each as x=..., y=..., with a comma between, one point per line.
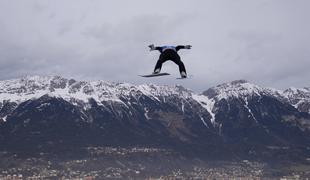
x=265, y=41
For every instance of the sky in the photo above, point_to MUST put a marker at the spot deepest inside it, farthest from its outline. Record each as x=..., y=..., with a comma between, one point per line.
x=266, y=42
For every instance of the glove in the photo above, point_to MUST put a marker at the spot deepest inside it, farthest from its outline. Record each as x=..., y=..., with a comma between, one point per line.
x=188, y=47
x=152, y=47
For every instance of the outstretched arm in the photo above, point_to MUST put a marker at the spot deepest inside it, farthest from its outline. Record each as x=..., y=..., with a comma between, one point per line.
x=183, y=47
x=152, y=48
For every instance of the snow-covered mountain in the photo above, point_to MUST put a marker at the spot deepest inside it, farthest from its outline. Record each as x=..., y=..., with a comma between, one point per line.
x=33, y=87
x=239, y=114
x=297, y=97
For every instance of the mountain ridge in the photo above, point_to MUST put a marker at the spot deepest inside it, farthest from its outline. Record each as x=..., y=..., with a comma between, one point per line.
x=28, y=87
x=48, y=113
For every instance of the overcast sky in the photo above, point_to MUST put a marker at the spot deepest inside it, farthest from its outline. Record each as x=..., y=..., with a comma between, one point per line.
x=264, y=41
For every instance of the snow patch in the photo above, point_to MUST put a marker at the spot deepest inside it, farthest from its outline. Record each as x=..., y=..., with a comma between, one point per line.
x=204, y=122
x=43, y=105
x=249, y=110
x=145, y=114
x=207, y=103
x=220, y=129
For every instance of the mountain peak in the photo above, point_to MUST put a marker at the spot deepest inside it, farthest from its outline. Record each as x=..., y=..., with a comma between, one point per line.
x=237, y=88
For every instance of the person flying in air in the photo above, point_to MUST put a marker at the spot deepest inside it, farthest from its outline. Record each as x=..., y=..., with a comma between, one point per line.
x=169, y=53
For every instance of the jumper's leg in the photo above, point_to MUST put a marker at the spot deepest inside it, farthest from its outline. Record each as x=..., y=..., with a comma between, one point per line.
x=158, y=65
x=181, y=66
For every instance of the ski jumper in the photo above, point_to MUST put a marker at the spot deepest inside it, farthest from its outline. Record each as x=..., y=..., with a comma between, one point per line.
x=169, y=53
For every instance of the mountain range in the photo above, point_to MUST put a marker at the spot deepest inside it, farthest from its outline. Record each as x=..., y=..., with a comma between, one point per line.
x=232, y=120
